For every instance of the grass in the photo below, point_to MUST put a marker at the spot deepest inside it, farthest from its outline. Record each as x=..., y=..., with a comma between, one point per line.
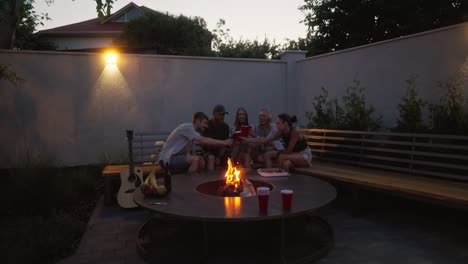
x=45, y=211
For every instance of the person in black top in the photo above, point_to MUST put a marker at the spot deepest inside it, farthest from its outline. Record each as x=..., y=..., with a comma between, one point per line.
x=296, y=153
x=217, y=129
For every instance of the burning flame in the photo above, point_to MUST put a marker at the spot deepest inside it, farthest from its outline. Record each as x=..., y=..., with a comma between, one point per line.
x=232, y=175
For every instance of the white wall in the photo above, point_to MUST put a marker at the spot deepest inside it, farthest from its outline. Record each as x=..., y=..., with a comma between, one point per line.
x=72, y=107
x=382, y=68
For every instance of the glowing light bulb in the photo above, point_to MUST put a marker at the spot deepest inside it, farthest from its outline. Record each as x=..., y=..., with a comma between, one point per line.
x=111, y=57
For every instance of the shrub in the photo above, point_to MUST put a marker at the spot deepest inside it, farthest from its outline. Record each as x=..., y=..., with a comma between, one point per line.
x=46, y=212
x=357, y=115
x=410, y=109
x=39, y=239
x=450, y=116
x=327, y=112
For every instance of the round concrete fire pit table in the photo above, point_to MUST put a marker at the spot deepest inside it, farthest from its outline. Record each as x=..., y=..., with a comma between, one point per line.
x=193, y=225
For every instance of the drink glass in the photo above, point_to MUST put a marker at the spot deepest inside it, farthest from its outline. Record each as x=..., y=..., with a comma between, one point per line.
x=245, y=130
x=286, y=197
x=237, y=136
x=263, y=193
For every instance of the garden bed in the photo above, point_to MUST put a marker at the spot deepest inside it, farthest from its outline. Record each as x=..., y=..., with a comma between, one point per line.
x=46, y=211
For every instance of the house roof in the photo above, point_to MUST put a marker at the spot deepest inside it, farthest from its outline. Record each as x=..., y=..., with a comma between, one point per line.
x=93, y=27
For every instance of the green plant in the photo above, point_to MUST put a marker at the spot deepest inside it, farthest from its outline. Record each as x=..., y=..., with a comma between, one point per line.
x=411, y=110
x=7, y=74
x=327, y=112
x=450, y=116
x=47, y=211
x=357, y=115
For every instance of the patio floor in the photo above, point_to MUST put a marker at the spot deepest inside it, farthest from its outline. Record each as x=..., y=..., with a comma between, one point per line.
x=397, y=231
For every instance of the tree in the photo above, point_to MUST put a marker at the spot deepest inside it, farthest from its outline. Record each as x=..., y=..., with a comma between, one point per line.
x=357, y=114
x=224, y=45
x=327, y=113
x=450, y=115
x=9, y=13
x=340, y=24
x=411, y=109
x=166, y=34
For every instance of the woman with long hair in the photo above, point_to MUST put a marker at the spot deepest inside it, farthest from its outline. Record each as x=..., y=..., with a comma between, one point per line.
x=296, y=153
x=241, y=151
x=266, y=153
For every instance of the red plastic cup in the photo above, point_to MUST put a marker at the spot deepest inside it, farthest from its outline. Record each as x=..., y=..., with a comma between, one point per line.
x=245, y=130
x=263, y=193
x=286, y=196
x=237, y=136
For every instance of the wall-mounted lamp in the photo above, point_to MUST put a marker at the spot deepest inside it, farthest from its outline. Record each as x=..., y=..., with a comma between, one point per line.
x=111, y=57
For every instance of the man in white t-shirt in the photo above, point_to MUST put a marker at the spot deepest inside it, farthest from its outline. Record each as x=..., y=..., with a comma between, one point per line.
x=176, y=150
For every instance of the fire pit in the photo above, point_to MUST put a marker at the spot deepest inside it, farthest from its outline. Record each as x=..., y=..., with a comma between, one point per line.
x=199, y=222
x=233, y=185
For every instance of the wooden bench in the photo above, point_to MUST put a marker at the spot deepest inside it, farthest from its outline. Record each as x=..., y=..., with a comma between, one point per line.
x=144, y=148
x=422, y=166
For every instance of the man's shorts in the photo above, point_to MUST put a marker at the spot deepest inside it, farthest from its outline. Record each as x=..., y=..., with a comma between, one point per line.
x=179, y=162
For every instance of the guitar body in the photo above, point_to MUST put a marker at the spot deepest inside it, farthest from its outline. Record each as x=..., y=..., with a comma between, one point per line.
x=129, y=184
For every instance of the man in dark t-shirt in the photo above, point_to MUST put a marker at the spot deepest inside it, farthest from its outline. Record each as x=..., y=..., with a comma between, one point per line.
x=217, y=129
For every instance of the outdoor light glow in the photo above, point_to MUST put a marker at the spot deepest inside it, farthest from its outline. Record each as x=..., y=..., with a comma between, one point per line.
x=111, y=57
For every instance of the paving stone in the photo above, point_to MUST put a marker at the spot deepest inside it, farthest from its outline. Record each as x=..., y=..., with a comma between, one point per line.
x=404, y=234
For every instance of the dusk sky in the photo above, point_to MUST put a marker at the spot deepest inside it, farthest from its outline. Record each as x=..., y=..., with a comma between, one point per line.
x=276, y=19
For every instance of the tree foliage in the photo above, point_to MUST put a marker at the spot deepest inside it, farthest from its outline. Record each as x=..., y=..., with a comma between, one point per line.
x=340, y=24
x=358, y=115
x=7, y=74
x=224, y=45
x=355, y=114
x=28, y=21
x=166, y=34
x=411, y=109
x=327, y=114
x=450, y=115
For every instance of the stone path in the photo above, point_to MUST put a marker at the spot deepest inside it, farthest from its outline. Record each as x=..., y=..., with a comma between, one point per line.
x=399, y=231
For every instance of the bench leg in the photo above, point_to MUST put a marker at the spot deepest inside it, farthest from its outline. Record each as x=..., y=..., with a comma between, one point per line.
x=108, y=200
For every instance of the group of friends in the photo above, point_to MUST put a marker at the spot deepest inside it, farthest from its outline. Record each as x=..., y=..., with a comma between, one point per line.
x=265, y=143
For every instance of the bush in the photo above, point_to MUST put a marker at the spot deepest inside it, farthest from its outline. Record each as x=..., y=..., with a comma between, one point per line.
x=47, y=211
x=39, y=239
x=357, y=115
x=327, y=113
x=411, y=109
x=54, y=188
x=450, y=115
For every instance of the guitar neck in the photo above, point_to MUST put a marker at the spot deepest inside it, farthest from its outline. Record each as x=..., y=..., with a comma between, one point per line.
x=130, y=152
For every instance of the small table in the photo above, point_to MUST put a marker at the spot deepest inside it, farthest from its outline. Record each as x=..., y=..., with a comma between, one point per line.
x=190, y=215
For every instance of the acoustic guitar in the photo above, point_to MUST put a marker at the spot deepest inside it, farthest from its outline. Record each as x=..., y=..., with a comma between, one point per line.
x=130, y=179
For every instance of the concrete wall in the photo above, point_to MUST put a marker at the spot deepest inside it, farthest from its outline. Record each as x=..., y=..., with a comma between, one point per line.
x=73, y=107
x=433, y=56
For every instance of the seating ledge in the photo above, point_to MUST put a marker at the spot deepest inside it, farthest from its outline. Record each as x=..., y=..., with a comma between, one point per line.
x=435, y=189
x=114, y=170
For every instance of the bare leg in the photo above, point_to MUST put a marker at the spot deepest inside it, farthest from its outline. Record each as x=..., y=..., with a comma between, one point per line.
x=294, y=160
x=201, y=163
x=246, y=160
x=268, y=157
x=210, y=160
x=194, y=162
